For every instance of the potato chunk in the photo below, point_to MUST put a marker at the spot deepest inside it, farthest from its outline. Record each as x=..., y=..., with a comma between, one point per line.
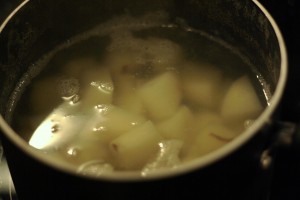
x=133, y=149
x=178, y=126
x=202, y=84
x=205, y=118
x=209, y=139
x=241, y=101
x=123, y=67
x=161, y=96
x=109, y=122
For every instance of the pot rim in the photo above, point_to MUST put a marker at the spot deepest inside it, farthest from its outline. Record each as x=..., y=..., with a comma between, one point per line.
x=190, y=166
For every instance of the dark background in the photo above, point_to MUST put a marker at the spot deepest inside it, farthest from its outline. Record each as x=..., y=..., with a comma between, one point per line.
x=286, y=180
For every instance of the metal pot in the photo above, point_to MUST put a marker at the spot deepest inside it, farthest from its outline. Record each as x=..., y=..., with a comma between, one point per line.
x=239, y=170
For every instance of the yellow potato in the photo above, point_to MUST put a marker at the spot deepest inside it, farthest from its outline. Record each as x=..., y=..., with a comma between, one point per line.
x=241, y=101
x=161, y=96
x=109, y=121
x=177, y=126
x=209, y=139
x=202, y=84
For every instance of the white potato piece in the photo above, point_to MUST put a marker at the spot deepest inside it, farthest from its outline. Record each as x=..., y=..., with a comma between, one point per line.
x=99, y=89
x=161, y=96
x=206, y=118
x=108, y=122
x=83, y=149
x=133, y=149
x=202, y=84
x=129, y=101
x=209, y=139
x=177, y=126
x=123, y=67
x=241, y=101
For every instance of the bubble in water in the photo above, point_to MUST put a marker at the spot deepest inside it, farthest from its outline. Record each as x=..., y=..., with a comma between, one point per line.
x=100, y=129
x=55, y=128
x=75, y=99
x=105, y=87
x=95, y=168
x=68, y=87
x=248, y=123
x=102, y=108
x=73, y=151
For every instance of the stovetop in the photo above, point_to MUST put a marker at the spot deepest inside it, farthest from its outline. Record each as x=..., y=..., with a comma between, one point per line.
x=286, y=180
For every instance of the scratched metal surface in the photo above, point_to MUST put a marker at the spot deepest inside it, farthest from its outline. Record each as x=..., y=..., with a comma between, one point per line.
x=7, y=190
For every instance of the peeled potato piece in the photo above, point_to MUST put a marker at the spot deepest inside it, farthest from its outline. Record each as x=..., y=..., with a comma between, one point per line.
x=133, y=149
x=125, y=95
x=109, y=122
x=178, y=126
x=202, y=84
x=85, y=149
x=204, y=119
x=241, y=101
x=123, y=67
x=209, y=139
x=161, y=96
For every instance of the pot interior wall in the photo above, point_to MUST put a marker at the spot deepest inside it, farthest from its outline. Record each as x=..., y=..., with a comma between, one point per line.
x=40, y=26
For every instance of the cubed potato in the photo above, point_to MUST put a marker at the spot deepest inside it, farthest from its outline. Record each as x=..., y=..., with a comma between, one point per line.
x=202, y=84
x=206, y=118
x=125, y=95
x=161, y=96
x=129, y=101
x=109, y=122
x=177, y=126
x=99, y=90
x=82, y=150
x=209, y=139
x=123, y=67
x=133, y=149
x=241, y=101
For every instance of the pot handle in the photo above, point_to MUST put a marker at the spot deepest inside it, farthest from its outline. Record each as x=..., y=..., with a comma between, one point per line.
x=286, y=139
